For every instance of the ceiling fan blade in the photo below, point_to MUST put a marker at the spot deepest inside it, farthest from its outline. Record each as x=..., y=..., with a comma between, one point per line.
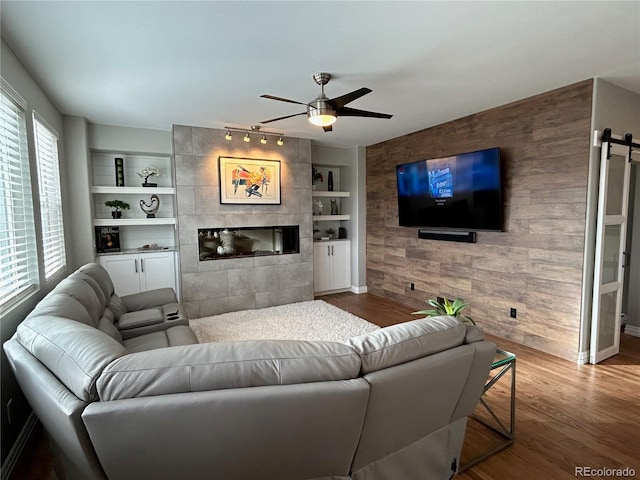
x=282, y=118
x=328, y=128
x=342, y=100
x=354, y=112
x=280, y=99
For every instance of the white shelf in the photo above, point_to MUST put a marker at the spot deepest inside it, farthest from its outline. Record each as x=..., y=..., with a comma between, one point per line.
x=134, y=190
x=324, y=193
x=116, y=222
x=328, y=218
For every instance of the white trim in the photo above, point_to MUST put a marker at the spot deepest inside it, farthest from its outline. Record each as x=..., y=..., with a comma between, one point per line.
x=358, y=290
x=13, y=94
x=632, y=330
x=583, y=357
x=18, y=446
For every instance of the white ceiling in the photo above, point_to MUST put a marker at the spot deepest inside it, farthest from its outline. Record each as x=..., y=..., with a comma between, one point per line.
x=153, y=64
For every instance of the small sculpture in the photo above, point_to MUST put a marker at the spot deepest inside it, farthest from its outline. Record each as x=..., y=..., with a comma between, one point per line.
x=152, y=207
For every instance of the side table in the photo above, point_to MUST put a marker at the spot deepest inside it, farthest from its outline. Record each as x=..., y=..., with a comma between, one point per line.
x=503, y=362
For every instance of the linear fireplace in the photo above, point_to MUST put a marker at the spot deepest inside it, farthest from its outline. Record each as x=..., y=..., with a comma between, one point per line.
x=241, y=242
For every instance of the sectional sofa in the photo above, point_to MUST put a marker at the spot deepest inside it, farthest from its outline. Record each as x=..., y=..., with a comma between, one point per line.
x=125, y=391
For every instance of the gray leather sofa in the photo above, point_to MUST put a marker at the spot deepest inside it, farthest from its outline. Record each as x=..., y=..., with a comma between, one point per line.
x=152, y=403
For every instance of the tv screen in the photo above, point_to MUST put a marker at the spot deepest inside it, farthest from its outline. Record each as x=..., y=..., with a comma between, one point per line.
x=461, y=192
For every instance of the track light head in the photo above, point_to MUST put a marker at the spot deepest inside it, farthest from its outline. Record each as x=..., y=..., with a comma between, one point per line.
x=263, y=140
x=247, y=138
x=228, y=135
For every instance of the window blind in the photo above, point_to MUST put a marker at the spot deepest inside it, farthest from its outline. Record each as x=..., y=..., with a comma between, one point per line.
x=53, y=247
x=18, y=255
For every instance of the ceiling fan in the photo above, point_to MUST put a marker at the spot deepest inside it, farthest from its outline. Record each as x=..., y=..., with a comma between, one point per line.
x=323, y=111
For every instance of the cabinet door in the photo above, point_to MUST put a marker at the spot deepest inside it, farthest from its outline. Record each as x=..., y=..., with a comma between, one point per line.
x=322, y=267
x=157, y=270
x=123, y=270
x=341, y=255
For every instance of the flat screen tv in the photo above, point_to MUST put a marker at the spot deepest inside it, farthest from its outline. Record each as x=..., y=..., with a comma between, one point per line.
x=460, y=192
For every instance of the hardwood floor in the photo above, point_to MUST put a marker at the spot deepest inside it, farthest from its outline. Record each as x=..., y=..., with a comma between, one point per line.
x=567, y=415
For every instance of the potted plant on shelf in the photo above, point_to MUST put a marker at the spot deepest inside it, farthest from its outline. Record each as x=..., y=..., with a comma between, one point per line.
x=150, y=171
x=117, y=204
x=447, y=307
x=316, y=176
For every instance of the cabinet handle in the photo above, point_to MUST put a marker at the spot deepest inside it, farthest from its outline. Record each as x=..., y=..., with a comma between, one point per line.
x=136, y=264
x=142, y=265
x=328, y=251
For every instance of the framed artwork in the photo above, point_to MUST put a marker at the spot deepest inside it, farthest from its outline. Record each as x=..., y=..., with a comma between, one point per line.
x=249, y=181
x=107, y=239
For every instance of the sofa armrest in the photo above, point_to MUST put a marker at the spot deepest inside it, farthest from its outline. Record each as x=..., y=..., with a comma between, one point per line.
x=149, y=299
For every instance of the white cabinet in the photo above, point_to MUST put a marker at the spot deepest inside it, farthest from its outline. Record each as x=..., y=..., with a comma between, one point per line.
x=137, y=272
x=331, y=265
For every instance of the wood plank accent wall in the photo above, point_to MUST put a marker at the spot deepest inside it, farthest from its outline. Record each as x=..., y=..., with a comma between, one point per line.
x=535, y=265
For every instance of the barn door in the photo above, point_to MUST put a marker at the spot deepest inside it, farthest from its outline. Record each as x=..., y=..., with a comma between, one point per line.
x=613, y=197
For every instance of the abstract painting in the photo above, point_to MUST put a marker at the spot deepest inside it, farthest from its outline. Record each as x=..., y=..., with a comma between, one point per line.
x=248, y=180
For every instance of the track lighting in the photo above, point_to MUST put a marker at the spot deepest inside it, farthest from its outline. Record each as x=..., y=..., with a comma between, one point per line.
x=254, y=129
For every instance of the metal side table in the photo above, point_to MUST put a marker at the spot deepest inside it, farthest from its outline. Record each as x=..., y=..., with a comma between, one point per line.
x=502, y=363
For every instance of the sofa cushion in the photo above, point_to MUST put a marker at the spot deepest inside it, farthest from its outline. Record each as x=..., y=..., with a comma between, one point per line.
x=214, y=366
x=85, y=294
x=75, y=353
x=408, y=341
x=62, y=305
x=142, y=318
x=170, y=337
x=101, y=276
x=94, y=285
x=106, y=325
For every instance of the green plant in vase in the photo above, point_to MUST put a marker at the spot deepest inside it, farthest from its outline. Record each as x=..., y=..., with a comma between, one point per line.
x=117, y=205
x=447, y=307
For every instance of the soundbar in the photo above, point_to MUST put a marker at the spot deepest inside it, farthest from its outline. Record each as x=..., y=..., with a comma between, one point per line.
x=465, y=237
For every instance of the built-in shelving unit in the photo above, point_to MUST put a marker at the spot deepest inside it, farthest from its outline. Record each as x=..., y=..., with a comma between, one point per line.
x=160, y=230
x=332, y=264
x=322, y=193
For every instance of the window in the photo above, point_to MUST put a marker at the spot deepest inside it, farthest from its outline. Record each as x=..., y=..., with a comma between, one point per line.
x=18, y=255
x=46, y=141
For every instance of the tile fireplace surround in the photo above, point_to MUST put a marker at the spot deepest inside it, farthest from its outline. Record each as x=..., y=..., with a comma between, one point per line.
x=231, y=284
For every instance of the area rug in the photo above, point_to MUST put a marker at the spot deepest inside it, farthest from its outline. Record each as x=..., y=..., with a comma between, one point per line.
x=314, y=320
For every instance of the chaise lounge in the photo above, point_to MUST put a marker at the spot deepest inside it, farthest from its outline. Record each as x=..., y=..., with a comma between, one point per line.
x=125, y=391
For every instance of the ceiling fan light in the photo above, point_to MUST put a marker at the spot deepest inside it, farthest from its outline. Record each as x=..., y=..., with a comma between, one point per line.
x=322, y=120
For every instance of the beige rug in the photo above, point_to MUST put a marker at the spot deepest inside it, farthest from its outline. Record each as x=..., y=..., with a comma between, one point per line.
x=314, y=320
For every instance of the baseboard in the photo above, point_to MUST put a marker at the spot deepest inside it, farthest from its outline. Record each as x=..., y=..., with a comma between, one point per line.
x=358, y=290
x=583, y=358
x=632, y=330
x=18, y=446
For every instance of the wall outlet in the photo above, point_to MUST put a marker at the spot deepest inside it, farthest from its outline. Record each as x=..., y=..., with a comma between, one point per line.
x=413, y=287
x=512, y=313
